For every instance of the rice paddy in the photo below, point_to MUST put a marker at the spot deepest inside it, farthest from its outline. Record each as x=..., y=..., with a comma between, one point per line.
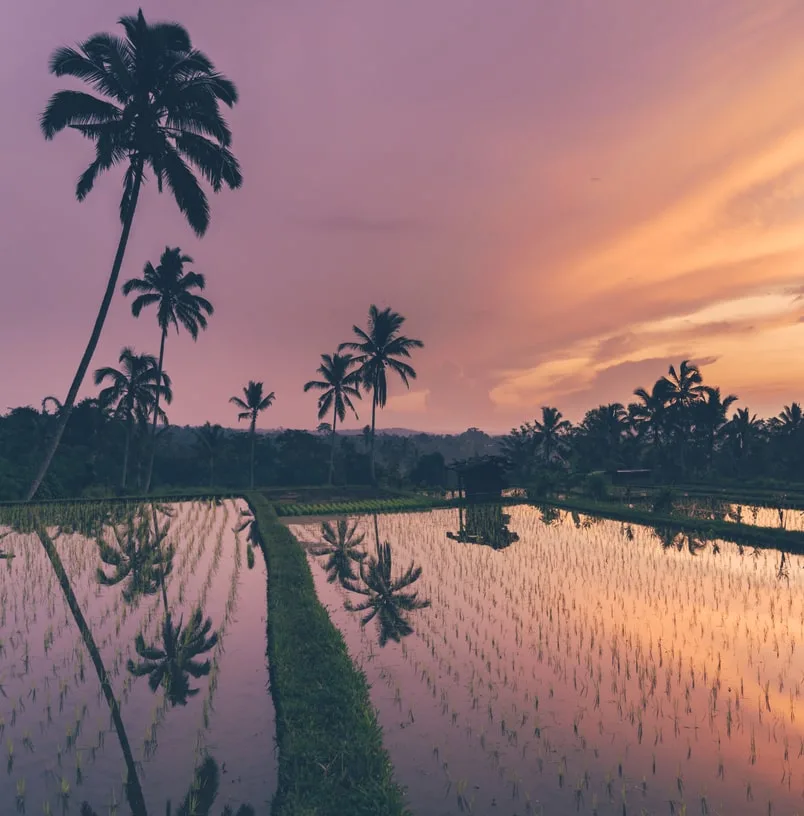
x=572, y=664
x=132, y=661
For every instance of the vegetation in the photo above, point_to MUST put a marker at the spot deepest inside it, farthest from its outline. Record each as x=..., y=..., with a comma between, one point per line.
x=169, y=288
x=251, y=407
x=331, y=759
x=159, y=109
x=378, y=348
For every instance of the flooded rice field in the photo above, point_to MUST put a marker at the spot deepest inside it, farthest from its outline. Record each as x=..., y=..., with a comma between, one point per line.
x=132, y=665
x=571, y=664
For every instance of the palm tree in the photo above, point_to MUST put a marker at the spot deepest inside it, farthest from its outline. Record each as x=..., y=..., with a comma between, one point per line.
x=160, y=109
x=252, y=405
x=743, y=430
x=171, y=664
x=385, y=597
x=211, y=438
x=378, y=348
x=338, y=385
x=169, y=287
x=550, y=434
x=711, y=411
x=133, y=392
x=790, y=421
x=57, y=406
x=685, y=385
x=341, y=545
x=651, y=412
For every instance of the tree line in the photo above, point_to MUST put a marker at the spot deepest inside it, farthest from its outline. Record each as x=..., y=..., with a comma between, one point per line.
x=679, y=428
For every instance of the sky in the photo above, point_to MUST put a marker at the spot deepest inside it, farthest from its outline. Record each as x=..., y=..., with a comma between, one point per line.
x=561, y=198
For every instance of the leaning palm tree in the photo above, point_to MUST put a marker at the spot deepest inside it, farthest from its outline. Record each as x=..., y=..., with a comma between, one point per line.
x=133, y=392
x=169, y=288
x=211, y=439
x=385, y=595
x=650, y=412
x=159, y=108
x=343, y=548
x=252, y=405
x=338, y=385
x=172, y=664
x=378, y=348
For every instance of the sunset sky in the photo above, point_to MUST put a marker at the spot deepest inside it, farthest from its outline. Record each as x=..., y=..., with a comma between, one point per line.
x=561, y=197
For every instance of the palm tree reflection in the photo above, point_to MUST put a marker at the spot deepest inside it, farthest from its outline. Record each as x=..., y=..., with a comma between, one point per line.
x=341, y=544
x=173, y=663
x=386, y=598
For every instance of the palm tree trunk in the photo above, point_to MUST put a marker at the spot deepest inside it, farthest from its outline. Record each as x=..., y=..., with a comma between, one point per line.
x=94, y=337
x=129, y=422
x=332, y=450
x=134, y=793
x=156, y=410
x=373, y=417
x=253, y=436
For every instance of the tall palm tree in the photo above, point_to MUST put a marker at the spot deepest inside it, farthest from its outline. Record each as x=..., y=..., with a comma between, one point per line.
x=743, y=429
x=250, y=407
x=211, y=438
x=338, y=385
x=133, y=392
x=169, y=288
x=551, y=434
x=790, y=421
x=159, y=108
x=342, y=546
x=378, y=348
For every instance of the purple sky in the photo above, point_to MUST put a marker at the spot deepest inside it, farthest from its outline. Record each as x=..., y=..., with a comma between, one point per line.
x=562, y=198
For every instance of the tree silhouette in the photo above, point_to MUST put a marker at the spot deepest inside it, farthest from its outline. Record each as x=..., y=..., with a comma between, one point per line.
x=386, y=597
x=211, y=438
x=379, y=348
x=160, y=109
x=250, y=407
x=168, y=287
x=342, y=547
x=133, y=392
x=338, y=385
x=171, y=664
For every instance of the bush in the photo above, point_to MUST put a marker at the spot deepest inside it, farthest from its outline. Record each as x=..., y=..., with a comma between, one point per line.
x=664, y=500
x=596, y=486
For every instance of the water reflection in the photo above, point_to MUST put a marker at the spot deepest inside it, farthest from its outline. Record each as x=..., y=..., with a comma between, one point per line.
x=171, y=665
x=386, y=598
x=139, y=556
x=484, y=524
x=342, y=545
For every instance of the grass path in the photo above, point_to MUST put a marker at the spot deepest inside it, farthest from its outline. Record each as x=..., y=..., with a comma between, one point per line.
x=331, y=758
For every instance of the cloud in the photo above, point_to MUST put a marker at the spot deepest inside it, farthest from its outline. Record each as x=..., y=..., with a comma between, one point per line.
x=412, y=402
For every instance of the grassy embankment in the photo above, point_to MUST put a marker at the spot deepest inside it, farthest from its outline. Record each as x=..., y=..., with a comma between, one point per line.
x=791, y=541
x=331, y=758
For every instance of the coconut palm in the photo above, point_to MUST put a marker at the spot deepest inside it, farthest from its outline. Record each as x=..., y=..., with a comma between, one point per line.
x=650, y=413
x=341, y=544
x=789, y=422
x=378, y=348
x=133, y=392
x=172, y=664
x=338, y=385
x=252, y=405
x=211, y=438
x=385, y=595
x=169, y=288
x=710, y=414
x=550, y=434
x=685, y=385
x=158, y=109
x=743, y=430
